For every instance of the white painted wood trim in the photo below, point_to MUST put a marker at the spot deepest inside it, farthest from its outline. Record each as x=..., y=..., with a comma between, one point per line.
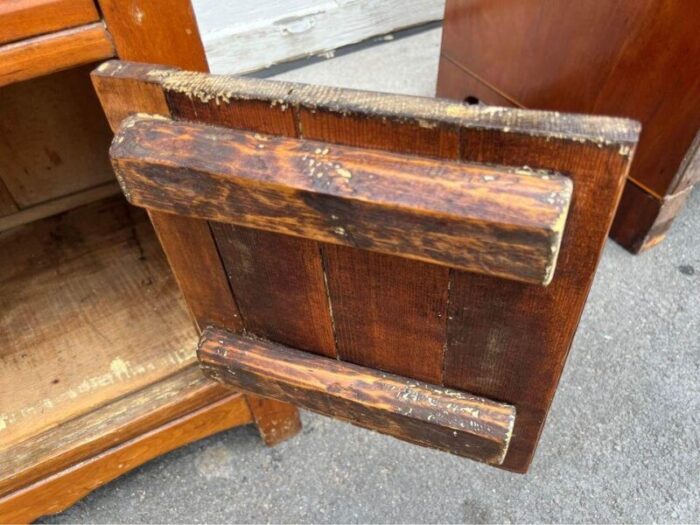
x=248, y=35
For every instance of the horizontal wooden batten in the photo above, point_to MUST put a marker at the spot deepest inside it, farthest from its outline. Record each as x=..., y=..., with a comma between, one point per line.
x=410, y=410
x=54, y=52
x=502, y=222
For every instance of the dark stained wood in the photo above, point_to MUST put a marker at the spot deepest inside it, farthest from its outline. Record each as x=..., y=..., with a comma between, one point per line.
x=289, y=280
x=56, y=493
x=413, y=411
x=46, y=54
x=594, y=152
x=603, y=58
x=477, y=218
x=405, y=336
x=642, y=220
x=26, y=18
x=127, y=88
x=508, y=340
x=283, y=293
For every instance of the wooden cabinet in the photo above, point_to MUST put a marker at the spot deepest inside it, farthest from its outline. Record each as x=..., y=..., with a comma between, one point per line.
x=88, y=392
x=636, y=58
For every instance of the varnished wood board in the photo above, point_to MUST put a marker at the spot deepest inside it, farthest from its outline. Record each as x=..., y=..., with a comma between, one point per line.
x=54, y=52
x=120, y=420
x=26, y=18
x=56, y=493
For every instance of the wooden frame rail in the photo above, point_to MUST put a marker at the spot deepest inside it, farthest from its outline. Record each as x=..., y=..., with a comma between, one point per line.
x=410, y=410
x=494, y=221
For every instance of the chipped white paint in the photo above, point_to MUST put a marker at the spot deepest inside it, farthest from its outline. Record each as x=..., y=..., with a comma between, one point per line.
x=248, y=35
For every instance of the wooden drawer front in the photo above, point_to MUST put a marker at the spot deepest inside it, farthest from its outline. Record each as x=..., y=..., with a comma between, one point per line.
x=26, y=18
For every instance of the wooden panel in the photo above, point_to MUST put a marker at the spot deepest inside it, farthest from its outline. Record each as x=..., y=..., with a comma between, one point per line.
x=494, y=349
x=409, y=410
x=54, y=52
x=406, y=334
x=60, y=491
x=594, y=151
x=129, y=88
x=92, y=433
x=603, y=58
x=249, y=35
x=53, y=138
x=497, y=222
x=77, y=293
x=290, y=282
x=298, y=315
x=25, y=18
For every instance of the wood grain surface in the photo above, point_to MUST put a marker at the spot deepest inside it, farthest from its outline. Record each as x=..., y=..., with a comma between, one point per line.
x=501, y=339
x=417, y=412
x=61, y=490
x=486, y=220
x=26, y=18
x=46, y=54
x=93, y=432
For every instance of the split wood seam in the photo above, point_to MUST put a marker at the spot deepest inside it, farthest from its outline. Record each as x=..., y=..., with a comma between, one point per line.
x=495, y=221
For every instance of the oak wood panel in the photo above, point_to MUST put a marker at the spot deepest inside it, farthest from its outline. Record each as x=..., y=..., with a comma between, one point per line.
x=53, y=138
x=607, y=61
x=58, y=492
x=493, y=349
x=497, y=222
x=283, y=295
x=413, y=411
x=54, y=52
x=77, y=293
x=92, y=433
x=127, y=88
x=26, y=18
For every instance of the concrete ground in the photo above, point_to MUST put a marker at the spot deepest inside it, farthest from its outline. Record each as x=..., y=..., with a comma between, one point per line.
x=622, y=443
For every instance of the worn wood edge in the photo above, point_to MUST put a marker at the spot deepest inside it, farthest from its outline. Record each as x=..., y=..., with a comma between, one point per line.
x=129, y=151
x=231, y=358
x=105, y=426
x=77, y=46
x=59, y=205
x=64, y=488
x=423, y=111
